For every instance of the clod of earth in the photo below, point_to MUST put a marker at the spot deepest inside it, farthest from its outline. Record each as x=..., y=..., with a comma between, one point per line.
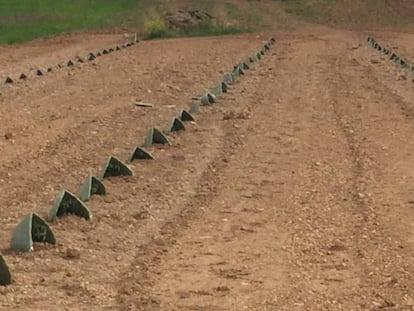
x=38, y=72
x=22, y=76
x=32, y=228
x=72, y=253
x=8, y=135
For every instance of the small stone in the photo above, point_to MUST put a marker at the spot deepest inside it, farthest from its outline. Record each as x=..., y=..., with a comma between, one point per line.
x=109, y=199
x=8, y=135
x=401, y=77
x=228, y=115
x=392, y=280
x=222, y=289
x=73, y=253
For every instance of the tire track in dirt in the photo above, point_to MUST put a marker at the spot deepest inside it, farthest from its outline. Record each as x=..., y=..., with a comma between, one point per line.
x=133, y=293
x=266, y=231
x=383, y=242
x=148, y=259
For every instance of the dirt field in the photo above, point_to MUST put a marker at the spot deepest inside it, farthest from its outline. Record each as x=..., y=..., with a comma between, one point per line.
x=291, y=193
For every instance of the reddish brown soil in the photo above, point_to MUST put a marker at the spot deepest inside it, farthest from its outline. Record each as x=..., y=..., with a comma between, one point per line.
x=291, y=193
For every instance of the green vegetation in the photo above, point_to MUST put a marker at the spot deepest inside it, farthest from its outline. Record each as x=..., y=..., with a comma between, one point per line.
x=213, y=29
x=349, y=14
x=22, y=20
x=156, y=28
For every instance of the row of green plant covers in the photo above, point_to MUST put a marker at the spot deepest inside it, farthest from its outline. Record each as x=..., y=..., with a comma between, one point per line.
x=398, y=60
x=71, y=62
x=33, y=228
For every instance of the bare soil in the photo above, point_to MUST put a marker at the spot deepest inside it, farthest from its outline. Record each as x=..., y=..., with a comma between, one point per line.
x=293, y=192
